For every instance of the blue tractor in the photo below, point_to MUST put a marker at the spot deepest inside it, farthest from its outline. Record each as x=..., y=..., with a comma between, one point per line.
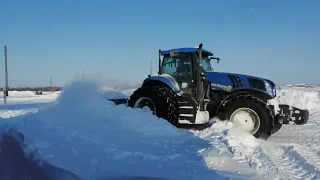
x=187, y=91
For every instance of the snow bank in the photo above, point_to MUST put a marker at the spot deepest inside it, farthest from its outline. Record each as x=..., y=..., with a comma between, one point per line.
x=27, y=94
x=23, y=97
x=22, y=93
x=232, y=149
x=237, y=151
x=15, y=163
x=95, y=139
x=301, y=97
x=5, y=114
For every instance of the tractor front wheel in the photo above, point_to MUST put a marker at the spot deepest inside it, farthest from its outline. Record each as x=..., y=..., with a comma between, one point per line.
x=160, y=100
x=252, y=115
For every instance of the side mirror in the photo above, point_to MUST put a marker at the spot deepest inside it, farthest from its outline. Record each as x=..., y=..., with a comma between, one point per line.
x=218, y=59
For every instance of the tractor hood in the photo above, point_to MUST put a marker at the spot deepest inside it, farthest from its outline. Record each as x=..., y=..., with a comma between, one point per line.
x=233, y=82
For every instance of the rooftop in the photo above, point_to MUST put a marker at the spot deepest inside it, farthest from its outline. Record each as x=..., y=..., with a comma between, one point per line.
x=184, y=50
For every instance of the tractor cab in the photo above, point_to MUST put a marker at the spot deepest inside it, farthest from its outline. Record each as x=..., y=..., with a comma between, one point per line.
x=183, y=65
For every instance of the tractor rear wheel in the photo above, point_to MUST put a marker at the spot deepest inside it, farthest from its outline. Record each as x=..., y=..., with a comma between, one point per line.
x=161, y=100
x=251, y=114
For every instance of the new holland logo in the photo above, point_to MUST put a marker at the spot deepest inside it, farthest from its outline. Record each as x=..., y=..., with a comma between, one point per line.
x=227, y=88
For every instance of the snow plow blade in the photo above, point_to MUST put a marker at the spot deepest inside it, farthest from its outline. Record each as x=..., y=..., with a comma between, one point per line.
x=119, y=101
x=287, y=114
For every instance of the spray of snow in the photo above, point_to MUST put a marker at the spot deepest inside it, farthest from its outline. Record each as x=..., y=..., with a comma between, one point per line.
x=93, y=138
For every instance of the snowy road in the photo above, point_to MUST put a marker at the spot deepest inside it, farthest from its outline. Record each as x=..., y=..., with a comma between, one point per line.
x=93, y=138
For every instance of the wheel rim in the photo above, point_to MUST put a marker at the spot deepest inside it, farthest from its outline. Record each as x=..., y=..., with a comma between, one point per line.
x=145, y=102
x=247, y=119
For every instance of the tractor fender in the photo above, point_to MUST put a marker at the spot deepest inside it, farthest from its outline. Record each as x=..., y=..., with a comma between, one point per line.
x=163, y=79
x=259, y=95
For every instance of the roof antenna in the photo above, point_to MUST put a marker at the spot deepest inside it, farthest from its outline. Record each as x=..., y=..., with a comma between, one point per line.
x=150, y=69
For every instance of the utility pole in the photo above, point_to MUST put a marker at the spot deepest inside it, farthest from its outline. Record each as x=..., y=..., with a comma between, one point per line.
x=6, y=89
x=6, y=69
x=51, y=85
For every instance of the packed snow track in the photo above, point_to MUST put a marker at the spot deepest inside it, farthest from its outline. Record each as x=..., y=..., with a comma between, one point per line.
x=291, y=153
x=83, y=136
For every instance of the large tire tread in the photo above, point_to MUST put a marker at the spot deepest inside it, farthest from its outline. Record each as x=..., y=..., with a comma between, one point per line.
x=265, y=113
x=163, y=98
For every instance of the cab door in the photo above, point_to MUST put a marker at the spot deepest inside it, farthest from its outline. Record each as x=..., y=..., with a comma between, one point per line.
x=180, y=68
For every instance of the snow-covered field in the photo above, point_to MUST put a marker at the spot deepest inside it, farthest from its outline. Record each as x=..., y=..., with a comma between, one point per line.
x=80, y=132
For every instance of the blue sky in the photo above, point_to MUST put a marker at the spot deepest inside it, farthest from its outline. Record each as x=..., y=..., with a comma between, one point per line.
x=279, y=40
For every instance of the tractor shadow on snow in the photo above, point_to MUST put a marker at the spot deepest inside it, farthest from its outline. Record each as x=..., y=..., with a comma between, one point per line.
x=14, y=164
x=198, y=127
x=24, y=106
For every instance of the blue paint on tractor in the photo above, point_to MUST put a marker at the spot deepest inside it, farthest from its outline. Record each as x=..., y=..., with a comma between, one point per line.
x=230, y=82
x=166, y=79
x=185, y=50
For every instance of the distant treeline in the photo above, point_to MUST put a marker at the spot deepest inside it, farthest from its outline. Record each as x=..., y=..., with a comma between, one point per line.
x=34, y=89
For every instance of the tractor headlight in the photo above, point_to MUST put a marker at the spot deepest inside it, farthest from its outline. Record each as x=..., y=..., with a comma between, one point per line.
x=269, y=88
x=274, y=92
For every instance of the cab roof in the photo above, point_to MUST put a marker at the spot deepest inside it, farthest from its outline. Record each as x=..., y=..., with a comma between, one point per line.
x=184, y=50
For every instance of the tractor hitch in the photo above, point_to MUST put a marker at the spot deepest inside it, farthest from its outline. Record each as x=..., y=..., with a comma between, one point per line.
x=286, y=114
